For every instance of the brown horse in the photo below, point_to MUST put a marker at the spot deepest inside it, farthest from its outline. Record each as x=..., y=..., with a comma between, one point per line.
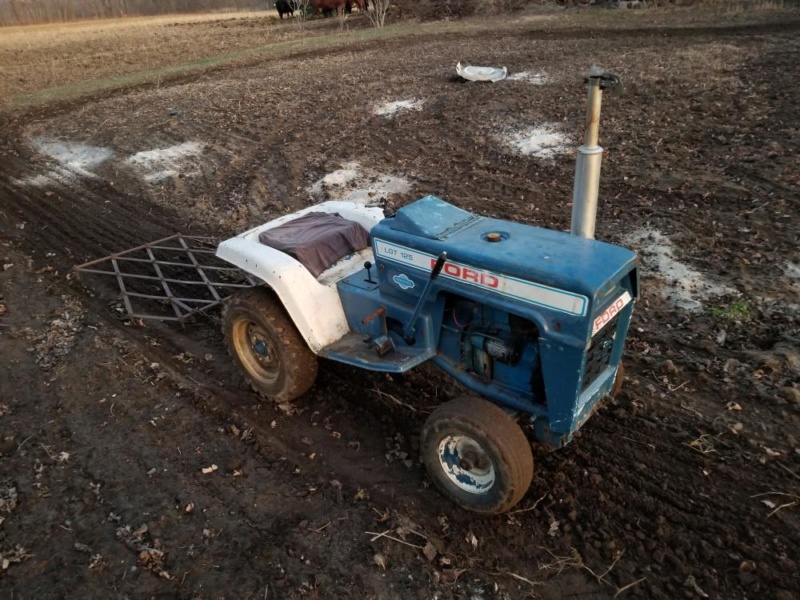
x=363, y=5
x=329, y=7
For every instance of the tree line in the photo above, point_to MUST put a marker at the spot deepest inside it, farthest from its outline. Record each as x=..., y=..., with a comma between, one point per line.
x=25, y=12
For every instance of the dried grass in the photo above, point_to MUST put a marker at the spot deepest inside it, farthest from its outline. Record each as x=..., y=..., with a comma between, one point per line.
x=75, y=59
x=37, y=60
x=39, y=56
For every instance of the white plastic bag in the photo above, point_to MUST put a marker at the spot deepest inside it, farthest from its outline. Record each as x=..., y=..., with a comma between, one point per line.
x=471, y=73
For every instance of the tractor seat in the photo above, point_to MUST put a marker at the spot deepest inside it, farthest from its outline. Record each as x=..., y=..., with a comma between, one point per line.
x=317, y=240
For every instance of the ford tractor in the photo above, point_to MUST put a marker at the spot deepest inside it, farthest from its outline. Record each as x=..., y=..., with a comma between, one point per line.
x=531, y=321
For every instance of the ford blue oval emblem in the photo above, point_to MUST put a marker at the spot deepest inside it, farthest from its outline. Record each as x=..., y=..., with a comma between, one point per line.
x=403, y=281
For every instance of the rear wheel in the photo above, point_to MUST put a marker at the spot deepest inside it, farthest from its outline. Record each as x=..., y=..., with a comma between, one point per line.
x=477, y=455
x=267, y=346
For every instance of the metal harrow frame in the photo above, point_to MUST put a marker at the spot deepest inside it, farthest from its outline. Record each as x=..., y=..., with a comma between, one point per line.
x=181, y=274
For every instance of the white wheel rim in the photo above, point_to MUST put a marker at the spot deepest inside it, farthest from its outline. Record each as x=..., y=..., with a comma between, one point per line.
x=466, y=464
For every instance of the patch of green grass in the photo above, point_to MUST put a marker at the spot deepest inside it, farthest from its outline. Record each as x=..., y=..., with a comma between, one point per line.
x=741, y=310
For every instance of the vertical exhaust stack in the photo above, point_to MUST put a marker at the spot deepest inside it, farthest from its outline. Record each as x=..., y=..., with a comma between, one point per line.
x=590, y=154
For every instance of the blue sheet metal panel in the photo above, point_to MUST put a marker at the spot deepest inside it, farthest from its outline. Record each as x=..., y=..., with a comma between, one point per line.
x=568, y=328
x=568, y=405
x=561, y=421
x=562, y=366
x=432, y=218
x=548, y=257
x=401, y=282
x=358, y=302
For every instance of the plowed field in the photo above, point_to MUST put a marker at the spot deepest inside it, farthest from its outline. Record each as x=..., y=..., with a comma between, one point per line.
x=686, y=486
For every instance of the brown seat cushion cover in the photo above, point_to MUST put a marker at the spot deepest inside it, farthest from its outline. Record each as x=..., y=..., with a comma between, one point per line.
x=317, y=240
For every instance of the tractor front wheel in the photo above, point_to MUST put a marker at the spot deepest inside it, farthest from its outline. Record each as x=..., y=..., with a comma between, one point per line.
x=477, y=455
x=267, y=346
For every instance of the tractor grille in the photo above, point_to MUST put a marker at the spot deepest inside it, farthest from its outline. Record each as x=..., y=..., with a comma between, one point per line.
x=599, y=354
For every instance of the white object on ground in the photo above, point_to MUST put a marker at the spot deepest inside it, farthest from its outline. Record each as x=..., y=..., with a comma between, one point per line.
x=532, y=77
x=471, y=73
x=74, y=161
x=353, y=183
x=541, y=141
x=162, y=163
x=685, y=286
x=389, y=109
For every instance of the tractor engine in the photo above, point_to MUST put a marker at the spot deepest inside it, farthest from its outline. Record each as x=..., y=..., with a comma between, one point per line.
x=493, y=345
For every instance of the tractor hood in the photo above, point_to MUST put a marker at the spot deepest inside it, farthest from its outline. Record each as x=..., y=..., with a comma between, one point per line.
x=542, y=256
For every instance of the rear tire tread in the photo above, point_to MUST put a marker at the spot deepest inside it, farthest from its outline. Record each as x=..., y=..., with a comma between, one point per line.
x=298, y=361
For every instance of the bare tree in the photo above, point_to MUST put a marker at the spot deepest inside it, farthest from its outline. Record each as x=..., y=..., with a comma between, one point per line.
x=342, y=13
x=301, y=10
x=378, y=13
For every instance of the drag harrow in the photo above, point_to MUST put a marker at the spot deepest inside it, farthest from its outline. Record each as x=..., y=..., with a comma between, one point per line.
x=171, y=279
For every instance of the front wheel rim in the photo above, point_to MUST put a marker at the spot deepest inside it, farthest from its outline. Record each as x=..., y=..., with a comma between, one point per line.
x=256, y=351
x=466, y=464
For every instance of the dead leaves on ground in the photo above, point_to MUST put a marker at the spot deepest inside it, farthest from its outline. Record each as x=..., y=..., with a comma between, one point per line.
x=12, y=556
x=151, y=555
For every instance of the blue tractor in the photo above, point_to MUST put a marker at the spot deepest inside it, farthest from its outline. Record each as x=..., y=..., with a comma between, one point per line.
x=532, y=321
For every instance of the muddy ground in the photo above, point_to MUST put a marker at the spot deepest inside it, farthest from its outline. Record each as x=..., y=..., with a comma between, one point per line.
x=687, y=486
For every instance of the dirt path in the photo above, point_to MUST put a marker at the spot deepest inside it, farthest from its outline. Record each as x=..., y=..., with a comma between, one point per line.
x=682, y=488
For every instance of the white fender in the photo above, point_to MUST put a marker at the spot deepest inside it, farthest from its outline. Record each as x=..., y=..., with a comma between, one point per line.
x=312, y=303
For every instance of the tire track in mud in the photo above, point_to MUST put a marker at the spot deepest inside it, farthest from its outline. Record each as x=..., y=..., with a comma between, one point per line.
x=86, y=221
x=235, y=402
x=324, y=487
x=84, y=426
